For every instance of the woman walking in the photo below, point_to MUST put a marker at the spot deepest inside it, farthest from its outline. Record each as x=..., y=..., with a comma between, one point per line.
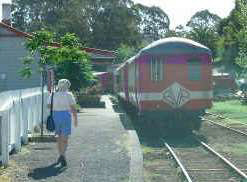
x=63, y=105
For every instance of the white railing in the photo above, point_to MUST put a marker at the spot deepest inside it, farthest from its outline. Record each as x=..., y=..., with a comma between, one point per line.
x=20, y=112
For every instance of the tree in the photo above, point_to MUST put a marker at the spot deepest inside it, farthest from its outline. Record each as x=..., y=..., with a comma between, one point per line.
x=233, y=35
x=124, y=52
x=180, y=31
x=153, y=22
x=203, y=29
x=34, y=15
x=204, y=19
x=104, y=24
x=241, y=15
x=60, y=16
x=68, y=57
x=112, y=23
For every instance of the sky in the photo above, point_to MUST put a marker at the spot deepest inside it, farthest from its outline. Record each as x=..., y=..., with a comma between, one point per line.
x=180, y=11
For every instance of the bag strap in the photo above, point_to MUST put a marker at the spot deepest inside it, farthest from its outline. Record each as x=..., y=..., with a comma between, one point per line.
x=51, y=111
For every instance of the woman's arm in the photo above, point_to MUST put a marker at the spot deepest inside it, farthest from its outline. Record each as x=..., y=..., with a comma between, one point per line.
x=74, y=113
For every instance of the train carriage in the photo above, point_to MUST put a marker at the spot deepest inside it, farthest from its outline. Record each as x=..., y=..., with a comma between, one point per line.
x=169, y=80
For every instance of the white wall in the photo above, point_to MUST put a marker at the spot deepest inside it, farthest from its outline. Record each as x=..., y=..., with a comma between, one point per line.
x=20, y=112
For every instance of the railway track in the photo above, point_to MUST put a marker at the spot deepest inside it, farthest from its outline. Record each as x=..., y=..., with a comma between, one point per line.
x=200, y=164
x=229, y=140
x=204, y=164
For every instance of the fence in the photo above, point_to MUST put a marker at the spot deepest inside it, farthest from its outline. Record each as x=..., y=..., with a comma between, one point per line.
x=20, y=112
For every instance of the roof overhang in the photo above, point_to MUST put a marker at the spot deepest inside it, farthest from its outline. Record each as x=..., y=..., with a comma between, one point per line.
x=97, y=55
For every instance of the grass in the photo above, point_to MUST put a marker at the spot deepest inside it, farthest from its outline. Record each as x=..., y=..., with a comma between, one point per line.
x=232, y=109
x=239, y=149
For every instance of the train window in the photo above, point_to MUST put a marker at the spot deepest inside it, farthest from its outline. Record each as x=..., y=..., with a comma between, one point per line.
x=157, y=68
x=131, y=75
x=136, y=72
x=194, y=69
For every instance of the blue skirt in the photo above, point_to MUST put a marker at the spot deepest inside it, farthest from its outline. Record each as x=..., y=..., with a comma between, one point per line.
x=62, y=120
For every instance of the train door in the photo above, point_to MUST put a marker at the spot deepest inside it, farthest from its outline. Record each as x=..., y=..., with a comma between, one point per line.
x=137, y=84
x=126, y=91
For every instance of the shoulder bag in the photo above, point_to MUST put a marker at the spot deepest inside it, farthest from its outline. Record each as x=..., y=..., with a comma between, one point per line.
x=50, y=125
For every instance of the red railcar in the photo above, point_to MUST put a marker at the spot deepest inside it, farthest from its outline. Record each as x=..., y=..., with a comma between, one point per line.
x=168, y=80
x=105, y=80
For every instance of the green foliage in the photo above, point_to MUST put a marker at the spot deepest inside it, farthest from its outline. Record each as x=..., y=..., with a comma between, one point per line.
x=70, y=41
x=26, y=71
x=33, y=15
x=71, y=62
x=113, y=23
x=233, y=35
x=124, y=52
x=241, y=14
x=100, y=23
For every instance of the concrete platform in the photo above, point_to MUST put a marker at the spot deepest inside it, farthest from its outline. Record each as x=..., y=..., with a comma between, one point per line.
x=101, y=149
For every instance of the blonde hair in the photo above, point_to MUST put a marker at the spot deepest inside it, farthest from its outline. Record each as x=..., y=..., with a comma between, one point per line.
x=63, y=85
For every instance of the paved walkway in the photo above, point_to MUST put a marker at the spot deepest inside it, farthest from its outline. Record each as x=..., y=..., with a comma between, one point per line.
x=100, y=150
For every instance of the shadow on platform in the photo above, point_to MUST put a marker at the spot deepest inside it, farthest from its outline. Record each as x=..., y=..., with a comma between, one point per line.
x=46, y=172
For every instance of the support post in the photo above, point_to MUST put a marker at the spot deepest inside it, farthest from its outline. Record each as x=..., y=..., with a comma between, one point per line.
x=4, y=127
x=42, y=102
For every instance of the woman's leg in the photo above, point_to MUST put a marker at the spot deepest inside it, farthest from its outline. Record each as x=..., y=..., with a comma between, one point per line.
x=59, y=145
x=65, y=131
x=63, y=147
x=64, y=144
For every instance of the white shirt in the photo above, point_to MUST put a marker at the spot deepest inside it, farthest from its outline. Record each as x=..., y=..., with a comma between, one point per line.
x=62, y=101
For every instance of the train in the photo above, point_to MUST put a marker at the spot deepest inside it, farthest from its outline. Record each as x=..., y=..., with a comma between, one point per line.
x=167, y=83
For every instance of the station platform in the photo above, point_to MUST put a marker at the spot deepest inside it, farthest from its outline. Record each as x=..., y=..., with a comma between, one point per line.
x=101, y=149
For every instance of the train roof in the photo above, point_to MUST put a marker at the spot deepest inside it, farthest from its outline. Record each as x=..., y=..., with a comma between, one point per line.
x=175, y=45
x=131, y=59
x=126, y=62
x=120, y=67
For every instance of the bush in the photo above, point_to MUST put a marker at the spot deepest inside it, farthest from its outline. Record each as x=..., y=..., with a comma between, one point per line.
x=90, y=97
x=85, y=100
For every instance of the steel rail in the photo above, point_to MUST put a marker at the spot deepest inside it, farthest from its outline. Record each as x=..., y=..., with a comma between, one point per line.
x=242, y=174
x=178, y=162
x=226, y=127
